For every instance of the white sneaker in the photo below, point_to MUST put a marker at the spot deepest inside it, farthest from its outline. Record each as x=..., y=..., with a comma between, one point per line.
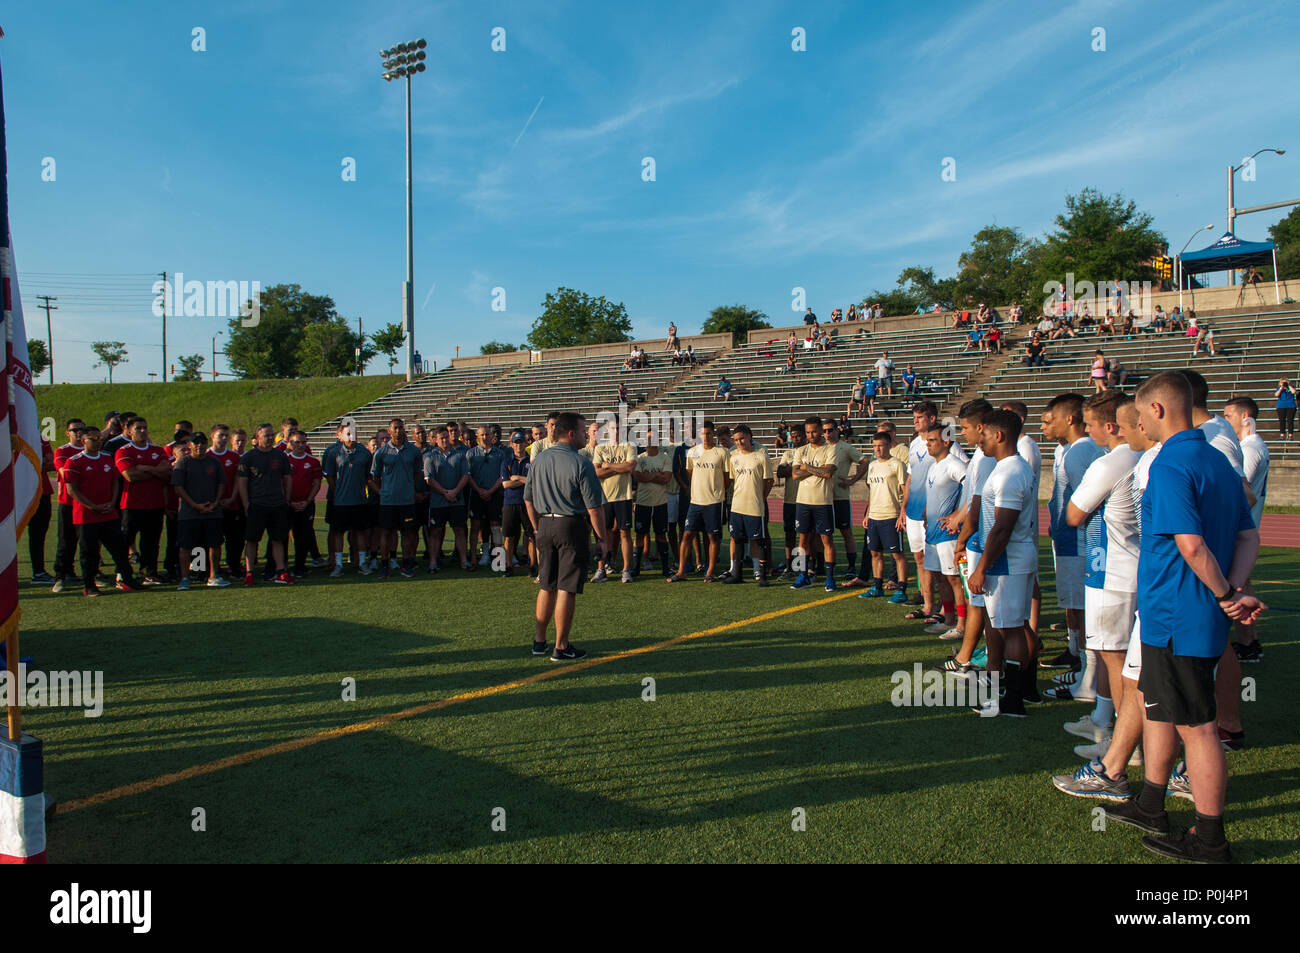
x=394, y=563
x=938, y=628
x=627, y=575
x=600, y=575
x=989, y=709
x=1096, y=751
x=1086, y=728
x=218, y=582
x=952, y=635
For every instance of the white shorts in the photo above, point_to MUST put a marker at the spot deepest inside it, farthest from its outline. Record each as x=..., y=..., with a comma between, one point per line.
x=1108, y=619
x=1133, y=660
x=942, y=557
x=1069, y=581
x=672, y=507
x=1007, y=599
x=915, y=535
x=972, y=560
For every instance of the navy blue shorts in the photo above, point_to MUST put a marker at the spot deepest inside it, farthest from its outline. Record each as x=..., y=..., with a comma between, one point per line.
x=704, y=518
x=618, y=515
x=882, y=536
x=843, y=514
x=814, y=519
x=744, y=527
x=652, y=517
x=787, y=517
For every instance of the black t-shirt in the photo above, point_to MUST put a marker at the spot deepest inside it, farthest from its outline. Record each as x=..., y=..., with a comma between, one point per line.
x=265, y=470
x=114, y=444
x=1035, y=348
x=202, y=480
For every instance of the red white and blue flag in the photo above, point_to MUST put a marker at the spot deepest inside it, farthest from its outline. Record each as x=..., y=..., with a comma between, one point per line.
x=22, y=800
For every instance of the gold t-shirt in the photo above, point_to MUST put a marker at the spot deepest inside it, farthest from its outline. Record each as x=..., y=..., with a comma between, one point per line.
x=885, y=479
x=619, y=486
x=749, y=471
x=845, y=456
x=653, y=494
x=708, y=470
x=814, y=490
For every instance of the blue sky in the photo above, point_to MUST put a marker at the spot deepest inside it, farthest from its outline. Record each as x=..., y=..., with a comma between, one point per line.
x=774, y=169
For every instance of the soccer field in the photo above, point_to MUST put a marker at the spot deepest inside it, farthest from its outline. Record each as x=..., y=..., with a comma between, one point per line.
x=755, y=715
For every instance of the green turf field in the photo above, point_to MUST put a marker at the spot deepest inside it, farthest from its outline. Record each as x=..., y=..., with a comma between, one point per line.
x=747, y=725
x=313, y=400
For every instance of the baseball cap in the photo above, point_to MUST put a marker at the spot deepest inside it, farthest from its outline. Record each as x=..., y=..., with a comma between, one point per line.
x=518, y=437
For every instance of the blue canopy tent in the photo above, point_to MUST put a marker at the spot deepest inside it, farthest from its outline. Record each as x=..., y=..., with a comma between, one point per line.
x=1227, y=254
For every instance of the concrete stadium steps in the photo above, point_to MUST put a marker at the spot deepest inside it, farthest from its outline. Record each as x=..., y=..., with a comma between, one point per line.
x=762, y=396
x=410, y=402
x=1254, y=350
x=526, y=393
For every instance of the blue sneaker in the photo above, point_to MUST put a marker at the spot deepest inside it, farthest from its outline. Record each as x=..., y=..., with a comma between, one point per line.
x=980, y=657
x=875, y=592
x=830, y=584
x=898, y=598
x=802, y=581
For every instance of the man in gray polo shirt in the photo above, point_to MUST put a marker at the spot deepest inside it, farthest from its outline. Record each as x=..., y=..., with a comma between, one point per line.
x=446, y=473
x=561, y=486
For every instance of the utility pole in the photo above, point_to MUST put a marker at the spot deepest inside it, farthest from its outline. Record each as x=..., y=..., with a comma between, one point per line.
x=164, y=316
x=361, y=344
x=49, y=334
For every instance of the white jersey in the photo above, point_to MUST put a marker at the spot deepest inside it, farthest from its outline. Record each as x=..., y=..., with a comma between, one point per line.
x=918, y=468
x=1254, y=454
x=1011, y=487
x=1027, y=447
x=1224, y=439
x=943, y=489
x=977, y=473
x=1069, y=464
x=1111, y=534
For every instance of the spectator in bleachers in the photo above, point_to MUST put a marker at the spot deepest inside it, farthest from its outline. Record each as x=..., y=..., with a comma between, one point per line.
x=677, y=356
x=870, y=387
x=960, y=318
x=857, y=397
x=791, y=344
x=723, y=391
x=782, y=439
x=1127, y=327
x=1086, y=320
x=1016, y=313
x=1158, y=319
x=1107, y=325
x=622, y=392
x=1099, y=372
x=909, y=380
x=878, y=311
x=995, y=339
x=1047, y=325
x=1177, y=320
x=1203, y=333
x=791, y=365
x=846, y=427
x=1286, y=407
x=689, y=356
x=673, y=344
x=853, y=313
x=1116, y=373
x=1062, y=329
x=885, y=371
x=975, y=341
x=837, y=315
x=809, y=318
x=1034, y=349
x=985, y=314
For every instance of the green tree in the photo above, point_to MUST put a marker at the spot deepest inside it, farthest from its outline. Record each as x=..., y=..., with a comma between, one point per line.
x=1098, y=238
x=1285, y=235
x=110, y=354
x=997, y=270
x=190, y=364
x=497, y=347
x=570, y=317
x=388, y=340
x=278, y=343
x=917, y=287
x=736, y=319
x=38, y=356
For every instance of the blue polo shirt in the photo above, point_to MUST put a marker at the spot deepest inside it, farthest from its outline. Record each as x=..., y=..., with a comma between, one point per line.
x=445, y=469
x=398, y=470
x=1192, y=489
x=350, y=468
x=514, y=467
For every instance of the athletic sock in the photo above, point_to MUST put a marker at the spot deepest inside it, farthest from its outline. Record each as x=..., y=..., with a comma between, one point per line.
x=1074, y=635
x=662, y=549
x=947, y=607
x=1087, y=680
x=1209, y=830
x=878, y=581
x=338, y=560
x=735, y=567
x=364, y=557
x=830, y=569
x=961, y=612
x=853, y=561
x=636, y=560
x=1103, y=712
x=1151, y=799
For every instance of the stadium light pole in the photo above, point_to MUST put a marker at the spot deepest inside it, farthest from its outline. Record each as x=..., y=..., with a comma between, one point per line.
x=403, y=61
x=1180, y=262
x=214, y=353
x=1232, y=212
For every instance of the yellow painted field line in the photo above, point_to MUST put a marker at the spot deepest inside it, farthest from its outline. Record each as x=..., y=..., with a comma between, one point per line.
x=294, y=744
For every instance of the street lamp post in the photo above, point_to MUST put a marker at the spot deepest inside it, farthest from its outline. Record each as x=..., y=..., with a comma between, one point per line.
x=405, y=60
x=1180, y=262
x=1232, y=211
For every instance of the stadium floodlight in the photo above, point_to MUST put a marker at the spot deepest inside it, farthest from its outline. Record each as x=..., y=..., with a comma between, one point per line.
x=1232, y=211
x=404, y=60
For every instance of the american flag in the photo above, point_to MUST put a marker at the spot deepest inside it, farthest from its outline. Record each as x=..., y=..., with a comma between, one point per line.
x=22, y=819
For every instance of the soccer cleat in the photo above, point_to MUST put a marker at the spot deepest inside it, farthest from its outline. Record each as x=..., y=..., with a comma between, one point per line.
x=830, y=584
x=183, y=585
x=91, y=592
x=1129, y=812
x=873, y=593
x=1091, y=781
x=364, y=568
x=218, y=582
x=1232, y=740
x=249, y=580
x=568, y=654
x=1179, y=784
x=58, y=585
x=336, y=572
x=786, y=576
x=1060, y=694
x=600, y=575
x=1245, y=653
x=284, y=579
x=539, y=648
x=42, y=579
x=731, y=579
x=802, y=581
x=408, y=572
x=123, y=586
x=952, y=635
x=937, y=628
x=151, y=581
x=898, y=598
x=1085, y=727
x=1185, y=845
x=627, y=576
x=951, y=664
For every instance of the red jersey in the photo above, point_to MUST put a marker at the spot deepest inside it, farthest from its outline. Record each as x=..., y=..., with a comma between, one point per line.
x=229, y=461
x=142, y=494
x=47, y=454
x=93, y=478
x=61, y=458
x=304, y=471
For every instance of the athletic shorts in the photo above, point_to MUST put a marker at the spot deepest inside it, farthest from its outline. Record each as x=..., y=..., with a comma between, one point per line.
x=787, y=517
x=1007, y=599
x=1108, y=619
x=199, y=534
x=651, y=517
x=514, y=520
x=1177, y=688
x=744, y=527
x=421, y=512
x=563, y=548
x=453, y=515
x=843, y=514
x=344, y=519
x=811, y=518
x=674, y=516
x=915, y=535
x=704, y=518
x=489, y=509
x=1133, y=659
x=882, y=536
x=618, y=515
x=272, y=520
x=400, y=517
x=973, y=560
x=1069, y=581
x=942, y=557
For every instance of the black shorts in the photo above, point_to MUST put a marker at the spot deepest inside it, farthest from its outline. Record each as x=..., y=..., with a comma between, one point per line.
x=882, y=536
x=343, y=519
x=199, y=534
x=489, y=509
x=272, y=520
x=651, y=517
x=1178, y=688
x=843, y=514
x=453, y=516
x=400, y=517
x=618, y=515
x=422, y=512
x=563, y=548
x=514, y=520
x=787, y=517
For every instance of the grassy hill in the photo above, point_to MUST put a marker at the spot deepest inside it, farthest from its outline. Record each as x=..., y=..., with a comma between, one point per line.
x=237, y=403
